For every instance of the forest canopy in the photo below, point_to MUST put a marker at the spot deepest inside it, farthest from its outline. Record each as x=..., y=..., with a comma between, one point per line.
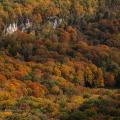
x=59, y=59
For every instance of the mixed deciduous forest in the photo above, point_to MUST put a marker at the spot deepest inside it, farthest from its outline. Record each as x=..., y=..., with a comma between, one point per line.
x=59, y=59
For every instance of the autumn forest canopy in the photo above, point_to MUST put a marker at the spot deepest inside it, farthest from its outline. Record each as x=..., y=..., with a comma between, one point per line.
x=59, y=59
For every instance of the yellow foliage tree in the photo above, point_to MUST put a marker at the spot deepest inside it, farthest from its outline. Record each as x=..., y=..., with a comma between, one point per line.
x=80, y=74
x=89, y=76
x=100, y=78
x=56, y=71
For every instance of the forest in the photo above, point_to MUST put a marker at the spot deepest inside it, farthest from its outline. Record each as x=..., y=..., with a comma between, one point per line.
x=59, y=59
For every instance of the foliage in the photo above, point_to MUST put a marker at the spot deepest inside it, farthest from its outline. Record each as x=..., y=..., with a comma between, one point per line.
x=59, y=68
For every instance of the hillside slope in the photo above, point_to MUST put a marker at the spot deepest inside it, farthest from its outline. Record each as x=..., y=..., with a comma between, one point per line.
x=59, y=59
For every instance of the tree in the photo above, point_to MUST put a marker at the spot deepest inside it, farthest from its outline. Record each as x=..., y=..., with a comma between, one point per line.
x=100, y=78
x=67, y=72
x=80, y=74
x=118, y=79
x=55, y=90
x=37, y=89
x=89, y=77
x=56, y=71
x=2, y=80
x=111, y=80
